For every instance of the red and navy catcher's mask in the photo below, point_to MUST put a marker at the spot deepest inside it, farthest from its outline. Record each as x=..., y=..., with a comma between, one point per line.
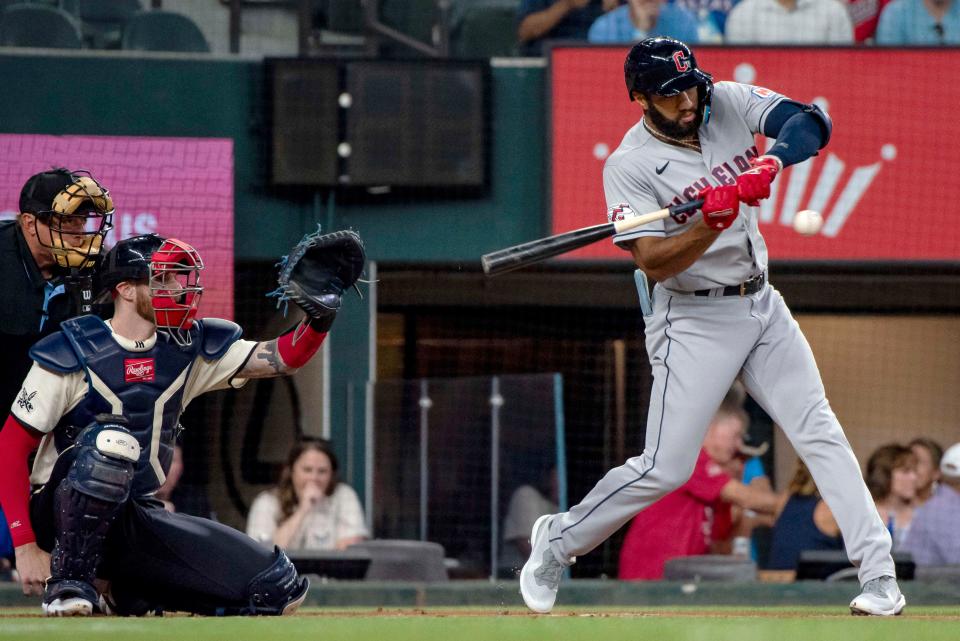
x=665, y=67
x=171, y=267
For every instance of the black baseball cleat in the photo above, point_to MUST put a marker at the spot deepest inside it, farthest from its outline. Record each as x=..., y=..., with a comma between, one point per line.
x=70, y=598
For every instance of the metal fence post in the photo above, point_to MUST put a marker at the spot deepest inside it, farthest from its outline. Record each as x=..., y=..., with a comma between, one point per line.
x=425, y=405
x=496, y=402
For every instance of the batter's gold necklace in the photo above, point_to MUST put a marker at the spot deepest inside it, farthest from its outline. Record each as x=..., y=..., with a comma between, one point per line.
x=692, y=143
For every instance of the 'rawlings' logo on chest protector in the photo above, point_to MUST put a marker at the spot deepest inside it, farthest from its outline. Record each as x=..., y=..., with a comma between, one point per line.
x=138, y=370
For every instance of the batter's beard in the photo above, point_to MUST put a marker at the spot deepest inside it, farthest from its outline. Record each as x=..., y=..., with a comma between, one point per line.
x=672, y=128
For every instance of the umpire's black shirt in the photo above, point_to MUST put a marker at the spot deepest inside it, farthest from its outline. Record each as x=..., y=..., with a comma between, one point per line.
x=22, y=318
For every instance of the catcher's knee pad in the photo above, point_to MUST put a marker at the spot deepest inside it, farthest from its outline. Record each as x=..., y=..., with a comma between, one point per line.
x=88, y=500
x=104, y=463
x=277, y=590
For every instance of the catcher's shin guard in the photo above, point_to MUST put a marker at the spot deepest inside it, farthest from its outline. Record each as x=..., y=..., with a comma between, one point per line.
x=278, y=590
x=86, y=503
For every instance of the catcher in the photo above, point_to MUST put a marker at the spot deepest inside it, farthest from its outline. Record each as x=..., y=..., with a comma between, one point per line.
x=104, y=398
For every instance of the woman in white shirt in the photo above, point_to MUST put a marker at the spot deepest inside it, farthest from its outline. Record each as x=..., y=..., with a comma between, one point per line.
x=310, y=509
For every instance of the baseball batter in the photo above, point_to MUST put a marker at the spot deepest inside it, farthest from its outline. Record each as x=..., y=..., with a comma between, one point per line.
x=713, y=316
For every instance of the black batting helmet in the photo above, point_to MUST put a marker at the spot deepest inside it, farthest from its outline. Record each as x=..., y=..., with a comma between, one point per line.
x=665, y=66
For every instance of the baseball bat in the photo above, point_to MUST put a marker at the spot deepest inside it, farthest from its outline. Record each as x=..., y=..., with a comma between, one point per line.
x=534, y=251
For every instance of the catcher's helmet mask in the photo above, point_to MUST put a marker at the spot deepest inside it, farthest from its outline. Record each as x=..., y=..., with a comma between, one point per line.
x=76, y=210
x=170, y=267
x=666, y=67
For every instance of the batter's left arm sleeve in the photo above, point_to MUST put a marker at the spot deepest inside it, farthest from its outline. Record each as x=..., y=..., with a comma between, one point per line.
x=800, y=130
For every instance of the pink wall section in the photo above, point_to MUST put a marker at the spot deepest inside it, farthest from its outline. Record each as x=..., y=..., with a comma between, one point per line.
x=176, y=187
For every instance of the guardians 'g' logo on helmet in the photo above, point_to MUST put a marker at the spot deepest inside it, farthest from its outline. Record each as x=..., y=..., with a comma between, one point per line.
x=665, y=67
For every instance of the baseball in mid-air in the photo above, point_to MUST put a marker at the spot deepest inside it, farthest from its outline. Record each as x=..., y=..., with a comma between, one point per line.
x=807, y=222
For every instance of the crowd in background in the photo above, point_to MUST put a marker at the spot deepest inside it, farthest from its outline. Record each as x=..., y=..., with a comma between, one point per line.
x=742, y=22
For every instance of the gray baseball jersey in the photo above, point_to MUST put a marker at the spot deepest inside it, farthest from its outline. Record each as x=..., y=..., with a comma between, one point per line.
x=645, y=174
x=698, y=345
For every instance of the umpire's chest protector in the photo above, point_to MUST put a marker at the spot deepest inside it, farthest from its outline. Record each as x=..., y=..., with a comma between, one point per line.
x=146, y=387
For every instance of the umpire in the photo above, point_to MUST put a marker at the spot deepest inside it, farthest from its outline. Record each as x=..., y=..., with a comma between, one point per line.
x=49, y=249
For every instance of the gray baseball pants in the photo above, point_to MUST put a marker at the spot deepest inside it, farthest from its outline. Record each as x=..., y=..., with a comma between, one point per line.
x=697, y=347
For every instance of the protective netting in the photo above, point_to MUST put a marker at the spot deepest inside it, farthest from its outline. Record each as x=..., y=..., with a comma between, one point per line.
x=449, y=453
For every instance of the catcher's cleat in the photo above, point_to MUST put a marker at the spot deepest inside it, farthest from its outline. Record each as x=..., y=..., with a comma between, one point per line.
x=69, y=598
x=880, y=597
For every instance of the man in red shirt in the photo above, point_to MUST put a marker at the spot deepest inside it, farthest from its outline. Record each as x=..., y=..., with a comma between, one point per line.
x=686, y=521
x=865, y=15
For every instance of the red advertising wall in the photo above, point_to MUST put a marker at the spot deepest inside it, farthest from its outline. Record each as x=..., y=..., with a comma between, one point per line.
x=887, y=183
x=176, y=187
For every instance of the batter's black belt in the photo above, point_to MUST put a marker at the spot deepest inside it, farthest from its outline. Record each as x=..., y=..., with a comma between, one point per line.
x=745, y=288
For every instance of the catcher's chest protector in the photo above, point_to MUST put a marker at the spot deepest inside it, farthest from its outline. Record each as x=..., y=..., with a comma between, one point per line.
x=147, y=385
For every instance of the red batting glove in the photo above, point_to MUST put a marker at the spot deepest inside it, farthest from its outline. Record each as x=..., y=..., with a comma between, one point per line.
x=720, y=206
x=753, y=185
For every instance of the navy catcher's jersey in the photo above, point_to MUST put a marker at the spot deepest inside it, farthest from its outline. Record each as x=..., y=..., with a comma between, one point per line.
x=86, y=369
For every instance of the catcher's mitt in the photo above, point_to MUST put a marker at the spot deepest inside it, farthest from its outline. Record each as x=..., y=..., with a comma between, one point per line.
x=316, y=272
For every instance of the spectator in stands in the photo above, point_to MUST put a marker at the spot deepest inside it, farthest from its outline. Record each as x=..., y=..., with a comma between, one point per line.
x=928, y=453
x=639, y=19
x=688, y=520
x=865, y=15
x=310, y=509
x=527, y=503
x=746, y=522
x=892, y=479
x=804, y=523
x=789, y=22
x=557, y=20
x=933, y=536
x=711, y=17
x=919, y=22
